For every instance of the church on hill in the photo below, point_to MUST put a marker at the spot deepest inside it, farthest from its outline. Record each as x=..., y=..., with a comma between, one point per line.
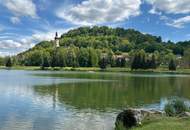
x=56, y=40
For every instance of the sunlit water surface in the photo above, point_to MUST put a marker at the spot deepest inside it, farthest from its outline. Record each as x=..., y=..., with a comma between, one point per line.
x=36, y=100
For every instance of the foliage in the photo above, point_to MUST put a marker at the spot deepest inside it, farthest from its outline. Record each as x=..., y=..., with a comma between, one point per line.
x=186, y=58
x=1, y=61
x=45, y=60
x=143, y=61
x=103, y=63
x=175, y=107
x=8, y=62
x=172, y=65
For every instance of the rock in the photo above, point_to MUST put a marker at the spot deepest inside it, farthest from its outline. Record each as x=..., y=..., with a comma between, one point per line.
x=148, y=113
x=185, y=114
x=129, y=118
x=133, y=117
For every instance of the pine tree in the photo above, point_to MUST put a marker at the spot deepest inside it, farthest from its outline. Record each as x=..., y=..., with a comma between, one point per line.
x=134, y=64
x=103, y=63
x=9, y=62
x=172, y=65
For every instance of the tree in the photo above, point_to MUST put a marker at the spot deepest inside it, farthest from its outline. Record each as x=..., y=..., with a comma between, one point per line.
x=54, y=59
x=142, y=61
x=120, y=62
x=45, y=60
x=83, y=58
x=1, y=61
x=186, y=58
x=103, y=63
x=172, y=65
x=9, y=62
x=153, y=62
x=71, y=58
x=34, y=58
x=93, y=58
x=62, y=57
x=134, y=63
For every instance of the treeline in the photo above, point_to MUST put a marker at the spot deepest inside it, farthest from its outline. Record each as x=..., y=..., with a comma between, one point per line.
x=144, y=61
x=103, y=47
x=70, y=57
x=6, y=61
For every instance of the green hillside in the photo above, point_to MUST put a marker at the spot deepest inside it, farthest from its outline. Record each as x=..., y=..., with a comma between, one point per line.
x=85, y=47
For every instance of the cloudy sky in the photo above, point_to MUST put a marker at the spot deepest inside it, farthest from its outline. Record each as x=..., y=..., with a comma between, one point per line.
x=23, y=23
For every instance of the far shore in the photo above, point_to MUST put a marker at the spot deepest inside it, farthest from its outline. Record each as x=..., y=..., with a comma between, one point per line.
x=96, y=69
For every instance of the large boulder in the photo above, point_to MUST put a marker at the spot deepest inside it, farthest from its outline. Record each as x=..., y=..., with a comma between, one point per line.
x=129, y=118
x=133, y=117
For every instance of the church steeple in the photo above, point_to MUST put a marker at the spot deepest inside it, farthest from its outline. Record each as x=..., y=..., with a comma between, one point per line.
x=56, y=42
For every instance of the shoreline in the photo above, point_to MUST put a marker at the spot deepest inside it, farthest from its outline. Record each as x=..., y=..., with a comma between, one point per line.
x=96, y=69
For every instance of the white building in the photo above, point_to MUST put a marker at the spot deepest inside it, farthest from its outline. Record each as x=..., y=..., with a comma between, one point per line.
x=56, y=41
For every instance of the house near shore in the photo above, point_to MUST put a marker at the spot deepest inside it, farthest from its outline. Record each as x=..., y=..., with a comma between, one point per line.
x=122, y=56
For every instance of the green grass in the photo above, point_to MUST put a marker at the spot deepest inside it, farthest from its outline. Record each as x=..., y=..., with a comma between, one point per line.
x=165, y=123
x=115, y=69
x=22, y=68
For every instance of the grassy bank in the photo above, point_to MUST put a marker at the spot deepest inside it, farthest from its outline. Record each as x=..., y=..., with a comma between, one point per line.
x=165, y=123
x=159, y=70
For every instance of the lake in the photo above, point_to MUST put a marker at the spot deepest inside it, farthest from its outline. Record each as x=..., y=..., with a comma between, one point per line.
x=37, y=100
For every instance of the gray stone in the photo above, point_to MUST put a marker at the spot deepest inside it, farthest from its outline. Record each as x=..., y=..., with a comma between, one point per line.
x=185, y=114
x=133, y=117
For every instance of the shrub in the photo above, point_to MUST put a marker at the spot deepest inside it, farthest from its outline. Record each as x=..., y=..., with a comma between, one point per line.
x=175, y=107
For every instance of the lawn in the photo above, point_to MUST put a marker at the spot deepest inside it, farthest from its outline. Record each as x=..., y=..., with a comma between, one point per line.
x=114, y=69
x=165, y=123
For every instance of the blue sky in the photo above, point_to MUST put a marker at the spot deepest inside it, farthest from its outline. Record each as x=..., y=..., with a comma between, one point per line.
x=23, y=23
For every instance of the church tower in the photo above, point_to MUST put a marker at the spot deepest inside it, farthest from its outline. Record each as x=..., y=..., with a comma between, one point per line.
x=56, y=41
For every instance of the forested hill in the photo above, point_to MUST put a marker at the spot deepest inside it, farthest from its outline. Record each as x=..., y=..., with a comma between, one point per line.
x=118, y=39
x=100, y=40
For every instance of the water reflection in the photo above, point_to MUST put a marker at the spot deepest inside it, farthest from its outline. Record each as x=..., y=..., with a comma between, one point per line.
x=123, y=91
x=80, y=101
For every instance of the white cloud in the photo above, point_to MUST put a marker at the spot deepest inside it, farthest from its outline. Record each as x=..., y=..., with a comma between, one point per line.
x=170, y=6
x=154, y=11
x=18, y=44
x=5, y=53
x=91, y=12
x=48, y=35
x=9, y=44
x=21, y=7
x=180, y=22
x=177, y=23
x=15, y=20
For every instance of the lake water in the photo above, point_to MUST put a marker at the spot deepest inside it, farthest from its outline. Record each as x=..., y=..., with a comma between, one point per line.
x=36, y=100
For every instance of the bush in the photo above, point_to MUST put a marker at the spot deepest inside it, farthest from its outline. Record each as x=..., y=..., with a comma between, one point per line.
x=175, y=107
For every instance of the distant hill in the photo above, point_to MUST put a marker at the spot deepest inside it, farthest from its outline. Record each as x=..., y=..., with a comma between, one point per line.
x=104, y=39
